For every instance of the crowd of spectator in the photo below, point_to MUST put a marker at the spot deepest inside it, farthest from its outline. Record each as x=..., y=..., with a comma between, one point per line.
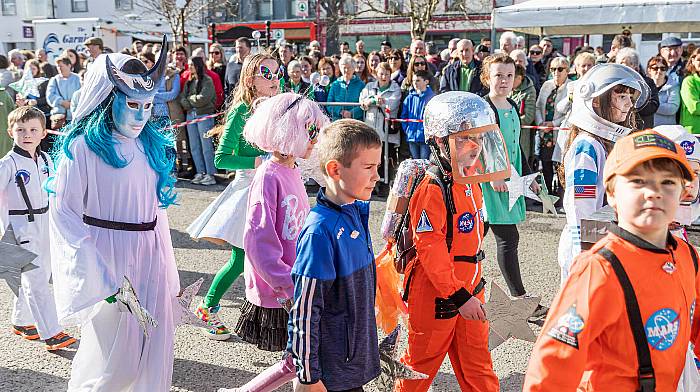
x=374, y=85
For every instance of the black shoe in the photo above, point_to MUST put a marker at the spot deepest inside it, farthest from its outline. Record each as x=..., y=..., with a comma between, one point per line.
x=540, y=313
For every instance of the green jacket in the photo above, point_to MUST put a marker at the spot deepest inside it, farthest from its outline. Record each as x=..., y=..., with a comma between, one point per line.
x=234, y=151
x=204, y=102
x=496, y=203
x=690, y=103
x=7, y=104
x=525, y=92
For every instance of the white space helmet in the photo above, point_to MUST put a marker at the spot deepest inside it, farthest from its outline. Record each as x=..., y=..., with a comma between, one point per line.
x=597, y=81
x=681, y=136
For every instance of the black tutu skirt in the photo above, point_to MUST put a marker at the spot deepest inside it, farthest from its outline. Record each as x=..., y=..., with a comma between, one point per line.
x=264, y=327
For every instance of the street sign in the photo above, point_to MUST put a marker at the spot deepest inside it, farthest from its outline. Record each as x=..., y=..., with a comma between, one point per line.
x=277, y=34
x=302, y=9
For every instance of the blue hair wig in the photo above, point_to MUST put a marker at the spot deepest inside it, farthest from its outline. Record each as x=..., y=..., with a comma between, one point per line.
x=156, y=137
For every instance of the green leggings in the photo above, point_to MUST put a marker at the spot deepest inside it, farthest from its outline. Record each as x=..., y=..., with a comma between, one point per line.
x=225, y=277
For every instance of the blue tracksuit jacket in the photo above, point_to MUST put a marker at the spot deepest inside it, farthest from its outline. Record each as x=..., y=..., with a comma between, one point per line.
x=332, y=329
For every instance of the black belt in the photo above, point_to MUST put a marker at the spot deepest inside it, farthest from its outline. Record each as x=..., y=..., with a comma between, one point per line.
x=446, y=309
x=29, y=212
x=123, y=226
x=471, y=259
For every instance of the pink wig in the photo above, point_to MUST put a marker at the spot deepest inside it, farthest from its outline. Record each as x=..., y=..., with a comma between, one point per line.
x=275, y=126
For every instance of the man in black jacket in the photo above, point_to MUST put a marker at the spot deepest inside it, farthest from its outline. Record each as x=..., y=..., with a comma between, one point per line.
x=463, y=74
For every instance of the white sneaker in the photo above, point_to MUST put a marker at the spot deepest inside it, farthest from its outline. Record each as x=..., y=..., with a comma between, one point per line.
x=208, y=179
x=198, y=178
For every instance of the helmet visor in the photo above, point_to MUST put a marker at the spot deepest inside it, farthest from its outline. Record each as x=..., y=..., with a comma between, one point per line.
x=479, y=155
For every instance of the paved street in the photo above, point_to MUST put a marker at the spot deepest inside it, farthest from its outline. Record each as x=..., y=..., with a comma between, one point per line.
x=204, y=365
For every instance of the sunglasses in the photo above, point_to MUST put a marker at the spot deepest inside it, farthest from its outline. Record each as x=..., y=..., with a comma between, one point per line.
x=422, y=64
x=393, y=58
x=215, y=52
x=659, y=68
x=313, y=132
x=535, y=52
x=267, y=73
x=557, y=69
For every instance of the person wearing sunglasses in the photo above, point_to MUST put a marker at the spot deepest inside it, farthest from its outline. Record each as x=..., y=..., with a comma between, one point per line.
x=398, y=66
x=669, y=91
x=217, y=60
x=346, y=88
x=549, y=113
x=535, y=57
x=417, y=63
x=221, y=221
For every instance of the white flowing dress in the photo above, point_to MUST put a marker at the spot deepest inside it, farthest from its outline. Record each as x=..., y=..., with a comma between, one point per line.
x=89, y=264
x=224, y=219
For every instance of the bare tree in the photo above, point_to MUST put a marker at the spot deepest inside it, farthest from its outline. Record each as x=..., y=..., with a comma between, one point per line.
x=181, y=14
x=419, y=12
x=473, y=11
x=335, y=12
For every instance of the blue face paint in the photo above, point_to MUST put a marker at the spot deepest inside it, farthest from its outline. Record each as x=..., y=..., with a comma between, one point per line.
x=130, y=114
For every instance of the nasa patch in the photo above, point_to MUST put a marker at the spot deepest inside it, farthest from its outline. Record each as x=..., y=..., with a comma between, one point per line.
x=424, y=225
x=465, y=223
x=24, y=175
x=569, y=325
x=662, y=328
x=688, y=146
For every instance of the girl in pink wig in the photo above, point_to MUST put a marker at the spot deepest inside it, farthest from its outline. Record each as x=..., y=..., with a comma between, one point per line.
x=286, y=126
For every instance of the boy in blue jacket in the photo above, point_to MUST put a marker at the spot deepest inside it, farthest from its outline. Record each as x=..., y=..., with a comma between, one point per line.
x=332, y=329
x=413, y=108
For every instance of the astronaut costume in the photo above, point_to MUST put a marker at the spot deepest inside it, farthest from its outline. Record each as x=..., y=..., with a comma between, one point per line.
x=585, y=157
x=24, y=207
x=107, y=222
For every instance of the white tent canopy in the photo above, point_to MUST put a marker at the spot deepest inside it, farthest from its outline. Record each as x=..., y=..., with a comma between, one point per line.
x=580, y=17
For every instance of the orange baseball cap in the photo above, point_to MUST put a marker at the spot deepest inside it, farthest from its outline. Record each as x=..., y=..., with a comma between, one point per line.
x=637, y=148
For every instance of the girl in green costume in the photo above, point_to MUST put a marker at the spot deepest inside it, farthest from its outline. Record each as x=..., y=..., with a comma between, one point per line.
x=222, y=221
x=498, y=73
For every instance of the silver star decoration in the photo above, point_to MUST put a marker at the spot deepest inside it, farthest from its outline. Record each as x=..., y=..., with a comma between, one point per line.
x=182, y=303
x=519, y=186
x=128, y=301
x=14, y=261
x=392, y=368
x=542, y=196
x=508, y=317
x=28, y=86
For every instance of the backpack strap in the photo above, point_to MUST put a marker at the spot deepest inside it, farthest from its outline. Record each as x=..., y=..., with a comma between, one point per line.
x=645, y=371
x=693, y=255
x=445, y=185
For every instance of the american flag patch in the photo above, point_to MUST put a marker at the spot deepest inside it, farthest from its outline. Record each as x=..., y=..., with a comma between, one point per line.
x=584, y=191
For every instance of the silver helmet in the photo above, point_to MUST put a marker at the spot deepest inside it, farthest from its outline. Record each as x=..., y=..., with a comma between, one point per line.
x=471, y=138
x=456, y=111
x=597, y=81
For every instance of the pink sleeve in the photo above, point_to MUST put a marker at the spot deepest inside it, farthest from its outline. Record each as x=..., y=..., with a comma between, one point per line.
x=261, y=240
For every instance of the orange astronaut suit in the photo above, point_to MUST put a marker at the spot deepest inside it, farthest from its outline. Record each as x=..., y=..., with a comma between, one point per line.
x=587, y=342
x=437, y=282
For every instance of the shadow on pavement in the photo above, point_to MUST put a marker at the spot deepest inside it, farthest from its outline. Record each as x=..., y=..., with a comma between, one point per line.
x=21, y=380
x=182, y=240
x=235, y=294
x=199, y=376
x=512, y=382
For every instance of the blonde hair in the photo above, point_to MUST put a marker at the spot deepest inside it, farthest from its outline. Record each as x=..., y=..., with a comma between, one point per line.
x=342, y=140
x=210, y=62
x=559, y=62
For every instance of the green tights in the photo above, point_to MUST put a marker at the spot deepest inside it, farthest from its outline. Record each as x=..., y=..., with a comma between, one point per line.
x=225, y=277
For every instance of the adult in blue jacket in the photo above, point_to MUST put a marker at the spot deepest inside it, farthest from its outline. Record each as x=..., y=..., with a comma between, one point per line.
x=346, y=88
